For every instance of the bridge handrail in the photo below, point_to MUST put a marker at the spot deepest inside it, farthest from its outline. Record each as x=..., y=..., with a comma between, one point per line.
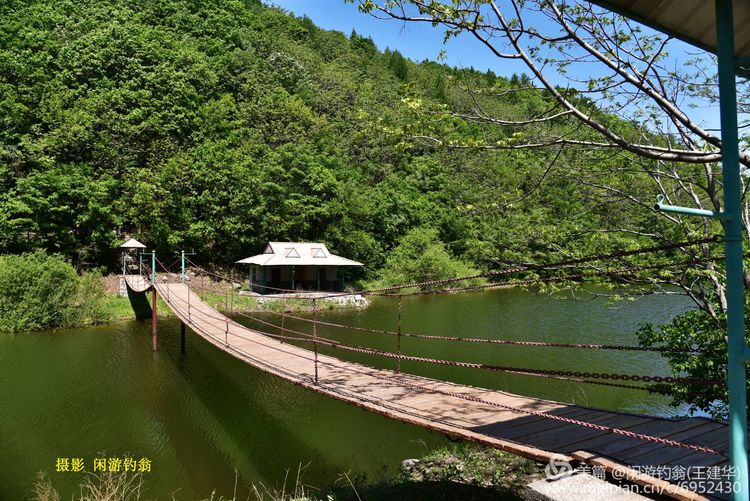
x=474, y=365
x=474, y=339
x=542, y=414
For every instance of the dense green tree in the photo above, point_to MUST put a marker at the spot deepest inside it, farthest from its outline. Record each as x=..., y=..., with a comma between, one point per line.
x=421, y=256
x=217, y=126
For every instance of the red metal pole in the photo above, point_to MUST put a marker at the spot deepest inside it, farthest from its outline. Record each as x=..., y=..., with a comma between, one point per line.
x=153, y=318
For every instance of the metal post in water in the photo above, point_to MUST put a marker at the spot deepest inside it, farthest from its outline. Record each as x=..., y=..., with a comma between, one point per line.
x=231, y=291
x=153, y=318
x=398, y=337
x=315, y=337
x=182, y=337
x=226, y=316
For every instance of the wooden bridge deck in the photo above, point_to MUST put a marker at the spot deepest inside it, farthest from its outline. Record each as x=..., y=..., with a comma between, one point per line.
x=444, y=407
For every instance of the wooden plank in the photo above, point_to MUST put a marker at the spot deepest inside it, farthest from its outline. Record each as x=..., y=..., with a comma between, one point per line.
x=522, y=425
x=666, y=453
x=485, y=394
x=699, y=459
x=554, y=439
x=656, y=427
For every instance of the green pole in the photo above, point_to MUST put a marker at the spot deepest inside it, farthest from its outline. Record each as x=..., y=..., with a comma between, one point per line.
x=730, y=164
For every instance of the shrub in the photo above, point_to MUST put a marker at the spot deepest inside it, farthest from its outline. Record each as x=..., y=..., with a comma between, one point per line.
x=695, y=330
x=421, y=256
x=39, y=291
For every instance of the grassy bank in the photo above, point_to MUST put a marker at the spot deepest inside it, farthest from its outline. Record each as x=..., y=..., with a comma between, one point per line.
x=40, y=291
x=458, y=471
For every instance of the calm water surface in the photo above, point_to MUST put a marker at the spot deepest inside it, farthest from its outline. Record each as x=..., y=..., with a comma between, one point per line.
x=201, y=417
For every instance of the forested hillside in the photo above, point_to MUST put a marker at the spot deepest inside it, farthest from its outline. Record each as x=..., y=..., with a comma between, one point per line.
x=217, y=126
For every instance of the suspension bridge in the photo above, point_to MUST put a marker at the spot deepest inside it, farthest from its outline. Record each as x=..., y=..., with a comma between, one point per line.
x=674, y=456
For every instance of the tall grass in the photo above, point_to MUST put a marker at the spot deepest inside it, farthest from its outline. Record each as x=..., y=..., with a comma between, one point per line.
x=107, y=486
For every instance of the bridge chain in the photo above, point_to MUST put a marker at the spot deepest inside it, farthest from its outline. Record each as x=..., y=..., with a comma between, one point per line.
x=609, y=429
x=509, y=271
x=519, y=370
x=403, y=381
x=552, y=266
x=512, y=370
x=586, y=424
x=592, y=346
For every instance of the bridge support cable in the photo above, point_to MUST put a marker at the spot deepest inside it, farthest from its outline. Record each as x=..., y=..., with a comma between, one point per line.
x=239, y=339
x=395, y=408
x=355, y=328
x=570, y=376
x=581, y=375
x=408, y=381
x=562, y=264
x=578, y=377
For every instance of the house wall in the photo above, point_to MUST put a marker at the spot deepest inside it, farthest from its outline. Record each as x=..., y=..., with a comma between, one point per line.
x=306, y=277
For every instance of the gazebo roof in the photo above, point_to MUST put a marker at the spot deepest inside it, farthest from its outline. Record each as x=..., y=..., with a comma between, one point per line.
x=693, y=21
x=132, y=244
x=297, y=253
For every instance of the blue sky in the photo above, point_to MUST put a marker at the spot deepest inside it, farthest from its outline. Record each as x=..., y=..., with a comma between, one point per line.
x=419, y=41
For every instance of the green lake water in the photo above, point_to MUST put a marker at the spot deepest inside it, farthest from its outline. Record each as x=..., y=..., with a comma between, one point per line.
x=201, y=417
